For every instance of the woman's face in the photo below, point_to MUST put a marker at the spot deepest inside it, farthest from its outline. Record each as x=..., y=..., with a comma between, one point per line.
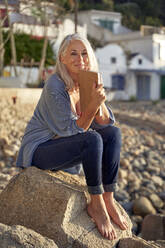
x=76, y=57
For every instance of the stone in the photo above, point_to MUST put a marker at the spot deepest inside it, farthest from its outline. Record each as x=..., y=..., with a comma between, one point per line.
x=157, y=180
x=153, y=170
x=125, y=163
x=3, y=142
x=142, y=206
x=136, y=163
x=157, y=202
x=121, y=195
x=1, y=154
x=161, y=243
x=132, y=176
x=22, y=237
x=153, y=227
x=142, y=161
x=136, y=184
x=149, y=141
x=122, y=173
x=136, y=242
x=128, y=207
x=162, y=195
x=122, y=183
x=147, y=175
x=4, y=177
x=55, y=208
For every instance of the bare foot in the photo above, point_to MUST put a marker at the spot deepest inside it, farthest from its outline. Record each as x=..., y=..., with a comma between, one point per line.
x=101, y=218
x=117, y=218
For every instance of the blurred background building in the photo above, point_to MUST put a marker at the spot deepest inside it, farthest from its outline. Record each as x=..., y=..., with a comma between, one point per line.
x=132, y=62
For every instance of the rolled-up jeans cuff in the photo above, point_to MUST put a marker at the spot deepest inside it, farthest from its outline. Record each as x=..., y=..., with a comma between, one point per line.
x=110, y=187
x=96, y=190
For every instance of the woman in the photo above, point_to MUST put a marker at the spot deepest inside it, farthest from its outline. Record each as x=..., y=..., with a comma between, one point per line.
x=58, y=136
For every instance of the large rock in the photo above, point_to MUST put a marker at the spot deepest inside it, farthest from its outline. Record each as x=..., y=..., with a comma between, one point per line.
x=55, y=208
x=136, y=242
x=21, y=237
x=153, y=227
x=142, y=206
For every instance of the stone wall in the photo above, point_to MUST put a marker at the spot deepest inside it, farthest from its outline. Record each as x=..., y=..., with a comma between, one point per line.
x=22, y=95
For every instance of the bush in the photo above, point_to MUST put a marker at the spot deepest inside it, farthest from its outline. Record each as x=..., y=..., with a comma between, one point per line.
x=132, y=99
x=28, y=48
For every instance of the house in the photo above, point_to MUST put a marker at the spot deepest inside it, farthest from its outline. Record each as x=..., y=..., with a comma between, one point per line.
x=128, y=77
x=132, y=63
x=101, y=25
x=113, y=67
x=144, y=77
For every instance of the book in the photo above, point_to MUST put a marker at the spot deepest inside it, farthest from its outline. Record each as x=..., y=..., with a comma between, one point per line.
x=86, y=79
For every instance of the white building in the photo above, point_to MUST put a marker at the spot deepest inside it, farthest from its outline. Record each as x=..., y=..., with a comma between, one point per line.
x=101, y=25
x=24, y=22
x=145, y=62
x=112, y=61
x=142, y=79
x=126, y=78
x=151, y=46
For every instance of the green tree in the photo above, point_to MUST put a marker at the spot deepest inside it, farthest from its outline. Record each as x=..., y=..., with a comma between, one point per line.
x=141, y=12
x=131, y=13
x=153, y=21
x=148, y=7
x=96, y=4
x=27, y=48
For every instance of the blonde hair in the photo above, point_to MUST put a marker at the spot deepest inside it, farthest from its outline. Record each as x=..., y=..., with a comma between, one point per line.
x=60, y=68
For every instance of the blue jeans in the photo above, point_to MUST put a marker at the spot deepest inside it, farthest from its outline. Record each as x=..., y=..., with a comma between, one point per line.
x=98, y=151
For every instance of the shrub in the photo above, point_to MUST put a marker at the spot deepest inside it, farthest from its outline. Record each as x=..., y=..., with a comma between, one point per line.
x=28, y=48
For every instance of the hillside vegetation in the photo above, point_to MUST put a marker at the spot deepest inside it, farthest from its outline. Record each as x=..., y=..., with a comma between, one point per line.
x=135, y=12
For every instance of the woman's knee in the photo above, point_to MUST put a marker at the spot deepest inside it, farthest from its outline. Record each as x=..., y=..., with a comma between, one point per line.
x=113, y=133
x=94, y=139
x=116, y=134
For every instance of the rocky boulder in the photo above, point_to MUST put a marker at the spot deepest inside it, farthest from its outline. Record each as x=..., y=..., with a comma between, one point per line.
x=55, y=208
x=136, y=242
x=22, y=237
x=153, y=227
x=143, y=206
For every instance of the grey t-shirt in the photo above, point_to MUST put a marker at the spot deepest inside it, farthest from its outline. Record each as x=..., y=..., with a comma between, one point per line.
x=53, y=116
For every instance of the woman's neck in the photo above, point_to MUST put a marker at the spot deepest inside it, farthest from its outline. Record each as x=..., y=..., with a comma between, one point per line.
x=74, y=77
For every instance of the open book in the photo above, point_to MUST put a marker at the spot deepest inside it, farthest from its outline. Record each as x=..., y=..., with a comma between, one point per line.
x=86, y=79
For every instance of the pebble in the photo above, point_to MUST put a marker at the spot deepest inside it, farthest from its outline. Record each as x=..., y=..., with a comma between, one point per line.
x=157, y=180
x=143, y=206
x=162, y=195
x=156, y=201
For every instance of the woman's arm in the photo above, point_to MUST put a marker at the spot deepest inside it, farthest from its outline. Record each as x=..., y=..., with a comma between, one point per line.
x=86, y=118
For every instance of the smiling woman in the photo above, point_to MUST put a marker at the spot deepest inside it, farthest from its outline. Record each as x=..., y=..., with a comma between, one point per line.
x=75, y=58
x=63, y=51
x=60, y=136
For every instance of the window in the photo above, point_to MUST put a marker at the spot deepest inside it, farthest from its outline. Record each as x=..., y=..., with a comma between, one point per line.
x=118, y=82
x=108, y=24
x=113, y=60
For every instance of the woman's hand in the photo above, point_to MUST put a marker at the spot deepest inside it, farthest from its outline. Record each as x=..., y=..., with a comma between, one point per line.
x=97, y=97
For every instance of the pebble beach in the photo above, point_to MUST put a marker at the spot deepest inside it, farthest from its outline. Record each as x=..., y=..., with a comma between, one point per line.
x=142, y=172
